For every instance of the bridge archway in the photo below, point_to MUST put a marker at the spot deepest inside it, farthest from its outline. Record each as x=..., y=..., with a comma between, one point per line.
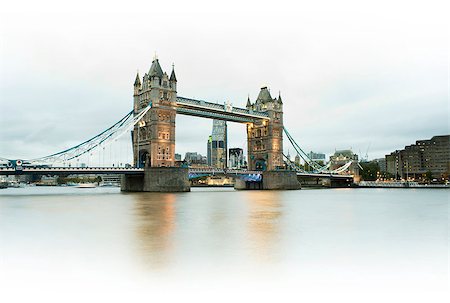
x=260, y=164
x=143, y=157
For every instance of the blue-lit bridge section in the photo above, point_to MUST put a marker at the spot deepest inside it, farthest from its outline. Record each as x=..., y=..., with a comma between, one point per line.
x=200, y=108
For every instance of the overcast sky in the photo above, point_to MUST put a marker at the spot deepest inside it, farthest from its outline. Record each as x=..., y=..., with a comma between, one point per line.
x=352, y=74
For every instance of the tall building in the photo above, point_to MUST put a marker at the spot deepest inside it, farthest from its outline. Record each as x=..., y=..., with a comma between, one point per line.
x=195, y=159
x=236, y=158
x=417, y=160
x=208, y=151
x=217, y=145
x=381, y=164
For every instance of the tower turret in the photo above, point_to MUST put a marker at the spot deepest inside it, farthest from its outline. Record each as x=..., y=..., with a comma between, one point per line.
x=279, y=98
x=137, y=84
x=173, y=79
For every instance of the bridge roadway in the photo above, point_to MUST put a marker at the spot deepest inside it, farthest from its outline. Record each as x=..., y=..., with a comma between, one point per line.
x=138, y=171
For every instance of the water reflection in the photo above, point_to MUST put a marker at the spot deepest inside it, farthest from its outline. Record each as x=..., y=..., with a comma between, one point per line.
x=155, y=219
x=265, y=213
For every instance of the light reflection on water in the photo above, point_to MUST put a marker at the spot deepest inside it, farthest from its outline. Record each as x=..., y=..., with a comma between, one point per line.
x=264, y=216
x=334, y=234
x=155, y=219
x=213, y=227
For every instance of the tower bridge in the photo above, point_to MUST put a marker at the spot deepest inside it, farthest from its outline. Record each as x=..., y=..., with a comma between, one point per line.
x=152, y=127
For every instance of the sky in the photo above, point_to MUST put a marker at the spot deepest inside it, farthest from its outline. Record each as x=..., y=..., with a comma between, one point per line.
x=370, y=76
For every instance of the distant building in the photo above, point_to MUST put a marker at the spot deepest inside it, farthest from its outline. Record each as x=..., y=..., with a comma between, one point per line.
x=288, y=157
x=381, y=164
x=49, y=180
x=217, y=145
x=177, y=157
x=341, y=158
x=195, y=159
x=111, y=180
x=208, y=151
x=424, y=157
x=236, y=158
x=297, y=160
x=317, y=156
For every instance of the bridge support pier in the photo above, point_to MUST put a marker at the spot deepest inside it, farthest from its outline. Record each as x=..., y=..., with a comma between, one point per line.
x=158, y=179
x=280, y=179
x=271, y=180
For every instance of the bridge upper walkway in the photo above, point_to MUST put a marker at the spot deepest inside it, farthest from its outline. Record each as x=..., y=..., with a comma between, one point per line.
x=226, y=111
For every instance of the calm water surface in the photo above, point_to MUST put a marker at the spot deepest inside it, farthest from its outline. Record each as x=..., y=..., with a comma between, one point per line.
x=343, y=238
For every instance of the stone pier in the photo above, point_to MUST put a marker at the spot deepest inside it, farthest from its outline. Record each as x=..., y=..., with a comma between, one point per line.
x=280, y=179
x=271, y=180
x=158, y=179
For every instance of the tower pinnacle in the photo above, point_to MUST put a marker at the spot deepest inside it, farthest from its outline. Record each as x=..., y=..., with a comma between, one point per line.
x=172, y=74
x=137, y=82
x=248, y=101
x=279, y=97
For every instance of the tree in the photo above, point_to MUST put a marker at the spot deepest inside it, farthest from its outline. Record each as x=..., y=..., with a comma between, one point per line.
x=429, y=176
x=369, y=170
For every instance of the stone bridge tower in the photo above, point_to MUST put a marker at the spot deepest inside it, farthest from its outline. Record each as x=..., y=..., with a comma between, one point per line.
x=154, y=136
x=265, y=139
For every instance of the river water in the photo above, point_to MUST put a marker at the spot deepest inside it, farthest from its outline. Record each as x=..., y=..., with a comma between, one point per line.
x=66, y=244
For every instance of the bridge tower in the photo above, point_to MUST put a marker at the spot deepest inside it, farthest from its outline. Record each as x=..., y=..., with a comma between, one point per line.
x=153, y=137
x=265, y=139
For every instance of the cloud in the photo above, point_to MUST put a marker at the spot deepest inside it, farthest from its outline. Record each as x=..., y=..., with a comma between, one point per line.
x=349, y=76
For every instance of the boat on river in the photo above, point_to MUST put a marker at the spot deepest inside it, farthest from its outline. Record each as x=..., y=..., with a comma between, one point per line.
x=86, y=185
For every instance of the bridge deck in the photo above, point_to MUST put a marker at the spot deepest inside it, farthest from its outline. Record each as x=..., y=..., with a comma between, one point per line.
x=324, y=175
x=70, y=171
x=134, y=170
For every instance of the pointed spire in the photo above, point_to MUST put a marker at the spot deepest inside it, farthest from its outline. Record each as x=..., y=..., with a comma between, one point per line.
x=155, y=69
x=248, y=101
x=172, y=74
x=264, y=96
x=279, y=97
x=137, y=82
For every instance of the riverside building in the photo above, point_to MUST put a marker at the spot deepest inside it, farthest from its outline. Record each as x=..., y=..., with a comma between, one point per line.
x=426, y=158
